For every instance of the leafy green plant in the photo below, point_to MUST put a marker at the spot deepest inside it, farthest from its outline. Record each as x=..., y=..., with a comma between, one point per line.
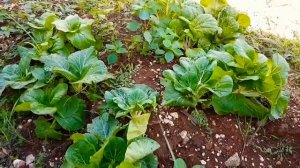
x=242, y=81
x=68, y=112
x=190, y=81
x=17, y=76
x=101, y=147
x=133, y=101
x=77, y=30
x=115, y=49
x=81, y=67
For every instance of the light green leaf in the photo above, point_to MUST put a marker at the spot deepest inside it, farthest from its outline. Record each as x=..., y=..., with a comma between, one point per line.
x=169, y=56
x=133, y=25
x=137, y=126
x=179, y=163
x=139, y=149
x=103, y=126
x=148, y=36
x=112, y=59
x=82, y=38
x=58, y=92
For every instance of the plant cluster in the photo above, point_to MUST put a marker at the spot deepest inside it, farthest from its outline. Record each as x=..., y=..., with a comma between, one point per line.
x=178, y=25
x=229, y=74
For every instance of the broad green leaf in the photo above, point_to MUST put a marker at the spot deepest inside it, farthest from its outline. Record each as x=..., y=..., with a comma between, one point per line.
x=149, y=161
x=227, y=21
x=43, y=129
x=58, y=92
x=133, y=25
x=139, y=149
x=204, y=25
x=195, y=53
x=239, y=104
x=70, y=113
x=82, y=39
x=26, y=106
x=70, y=24
x=115, y=150
x=79, y=153
x=103, y=126
x=137, y=126
x=45, y=22
x=179, y=163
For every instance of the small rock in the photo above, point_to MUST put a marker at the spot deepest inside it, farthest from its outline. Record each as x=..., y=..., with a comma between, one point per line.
x=167, y=121
x=29, y=159
x=233, y=161
x=174, y=115
x=184, y=135
x=51, y=164
x=19, y=163
x=203, y=162
x=278, y=163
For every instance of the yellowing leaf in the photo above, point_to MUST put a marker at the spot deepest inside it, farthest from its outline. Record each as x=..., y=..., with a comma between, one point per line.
x=243, y=20
x=137, y=126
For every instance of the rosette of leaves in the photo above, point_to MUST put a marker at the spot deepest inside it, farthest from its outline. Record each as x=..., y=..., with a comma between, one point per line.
x=258, y=82
x=68, y=112
x=17, y=76
x=77, y=30
x=101, y=147
x=190, y=81
x=45, y=40
x=115, y=49
x=164, y=42
x=81, y=67
x=133, y=101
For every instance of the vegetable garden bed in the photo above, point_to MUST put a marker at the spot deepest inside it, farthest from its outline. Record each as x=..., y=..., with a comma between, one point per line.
x=152, y=82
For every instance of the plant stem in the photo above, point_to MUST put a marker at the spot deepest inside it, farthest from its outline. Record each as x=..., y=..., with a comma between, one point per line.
x=168, y=144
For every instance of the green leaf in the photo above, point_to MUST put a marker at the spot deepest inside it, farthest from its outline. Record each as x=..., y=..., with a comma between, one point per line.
x=133, y=25
x=115, y=150
x=169, y=56
x=167, y=43
x=26, y=106
x=239, y=104
x=139, y=149
x=148, y=36
x=137, y=126
x=103, y=126
x=281, y=106
x=179, y=163
x=130, y=100
x=204, y=25
x=214, y=6
x=243, y=20
x=43, y=129
x=70, y=113
x=144, y=15
x=112, y=59
x=79, y=153
x=82, y=39
x=58, y=92
x=70, y=24
x=227, y=21
x=42, y=109
x=81, y=67
x=149, y=161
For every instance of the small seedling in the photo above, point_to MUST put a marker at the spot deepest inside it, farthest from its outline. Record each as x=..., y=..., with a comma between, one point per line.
x=115, y=49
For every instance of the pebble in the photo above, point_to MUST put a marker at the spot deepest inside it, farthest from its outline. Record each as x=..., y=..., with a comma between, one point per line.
x=233, y=161
x=19, y=163
x=174, y=115
x=29, y=159
x=261, y=158
x=203, y=162
x=51, y=164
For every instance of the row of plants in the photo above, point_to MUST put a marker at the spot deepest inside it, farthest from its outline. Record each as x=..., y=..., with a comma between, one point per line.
x=220, y=69
x=55, y=69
